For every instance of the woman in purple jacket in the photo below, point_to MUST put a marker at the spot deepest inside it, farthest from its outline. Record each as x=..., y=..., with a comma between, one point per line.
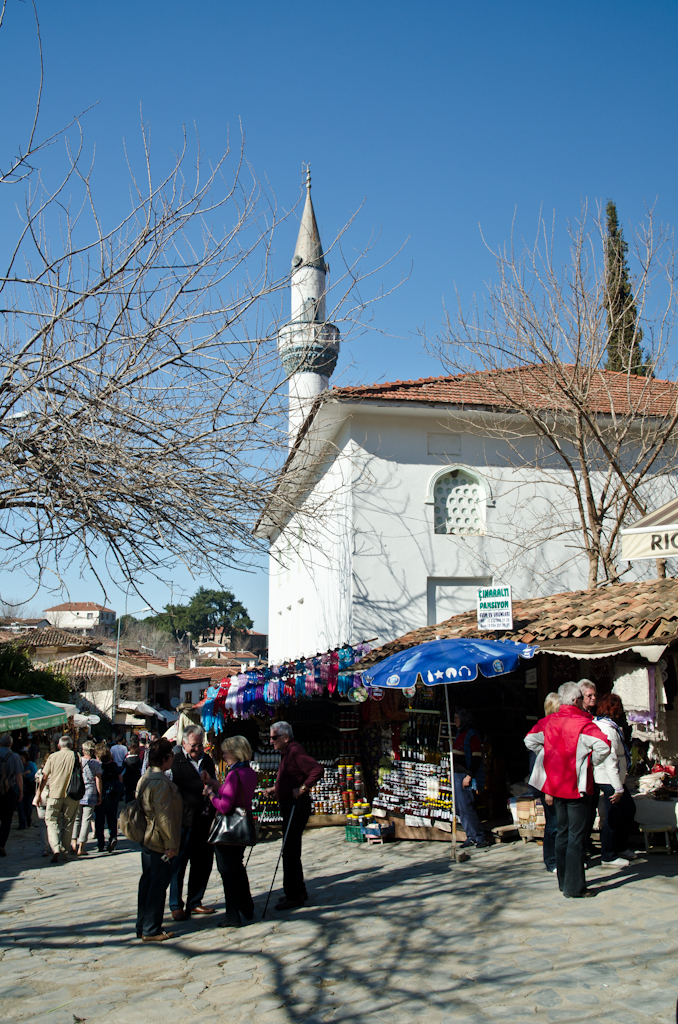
x=237, y=791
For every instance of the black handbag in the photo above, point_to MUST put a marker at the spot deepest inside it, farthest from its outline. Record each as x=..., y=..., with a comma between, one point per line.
x=234, y=829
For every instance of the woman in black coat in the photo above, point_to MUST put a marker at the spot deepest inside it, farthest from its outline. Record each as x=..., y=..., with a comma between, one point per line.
x=106, y=813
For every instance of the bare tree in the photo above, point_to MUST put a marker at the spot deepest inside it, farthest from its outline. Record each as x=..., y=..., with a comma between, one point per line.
x=141, y=409
x=605, y=443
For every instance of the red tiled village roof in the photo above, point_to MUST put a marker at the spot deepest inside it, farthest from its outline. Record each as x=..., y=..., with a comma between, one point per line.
x=79, y=606
x=49, y=636
x=540, y=387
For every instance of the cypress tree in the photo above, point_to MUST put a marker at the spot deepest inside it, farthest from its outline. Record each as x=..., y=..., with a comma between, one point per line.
x=623, y=344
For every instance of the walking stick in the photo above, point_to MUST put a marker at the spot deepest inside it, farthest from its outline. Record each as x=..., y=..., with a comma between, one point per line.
x=279, y=859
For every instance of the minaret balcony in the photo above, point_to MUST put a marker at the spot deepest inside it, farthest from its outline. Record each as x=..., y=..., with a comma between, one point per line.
x=309, y=347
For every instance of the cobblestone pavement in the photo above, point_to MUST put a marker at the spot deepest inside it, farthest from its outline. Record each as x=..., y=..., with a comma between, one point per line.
x=394, y=934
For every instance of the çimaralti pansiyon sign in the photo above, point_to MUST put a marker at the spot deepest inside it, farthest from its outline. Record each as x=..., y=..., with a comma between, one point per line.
x=495, y=608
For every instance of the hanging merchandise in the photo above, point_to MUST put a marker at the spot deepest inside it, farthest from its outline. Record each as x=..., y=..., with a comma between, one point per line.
x=316, y=687
x=333, y=673
x=309, y=679
x=289, y=680
x=300, y=678
x=207, y=710
x=345, y=680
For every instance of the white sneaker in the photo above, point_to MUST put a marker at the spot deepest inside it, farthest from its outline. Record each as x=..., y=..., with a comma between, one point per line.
x=629, y=854
x=618, y=862
x=554, y=871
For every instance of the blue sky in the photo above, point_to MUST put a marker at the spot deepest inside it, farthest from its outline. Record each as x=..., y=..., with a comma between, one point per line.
x=442, y=116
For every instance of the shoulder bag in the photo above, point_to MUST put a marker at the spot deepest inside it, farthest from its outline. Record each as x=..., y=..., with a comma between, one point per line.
x=234, y=829
x=76, y=786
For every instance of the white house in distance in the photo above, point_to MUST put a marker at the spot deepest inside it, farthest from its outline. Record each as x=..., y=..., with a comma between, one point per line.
x=398, y=500
x=82, y=616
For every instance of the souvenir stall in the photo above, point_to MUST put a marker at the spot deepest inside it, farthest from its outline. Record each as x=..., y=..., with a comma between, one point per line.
x=317, y=697
x=417, y=792
x=33, y=714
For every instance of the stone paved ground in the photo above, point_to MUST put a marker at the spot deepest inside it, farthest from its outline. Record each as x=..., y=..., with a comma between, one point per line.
x=395, y=934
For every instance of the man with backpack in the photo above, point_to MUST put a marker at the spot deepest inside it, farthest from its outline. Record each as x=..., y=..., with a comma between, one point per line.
x=63, y=774
x=11, y=787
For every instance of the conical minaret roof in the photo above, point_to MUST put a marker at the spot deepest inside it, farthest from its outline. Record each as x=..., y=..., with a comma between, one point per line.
x=308, y=250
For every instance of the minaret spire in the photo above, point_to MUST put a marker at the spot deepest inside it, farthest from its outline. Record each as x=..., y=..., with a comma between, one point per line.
x=308, y=250
x=308, y=345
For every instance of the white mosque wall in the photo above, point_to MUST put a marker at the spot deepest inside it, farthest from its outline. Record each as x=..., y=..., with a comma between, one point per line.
x=367, y=562
x=406, y=575
x=310, y=598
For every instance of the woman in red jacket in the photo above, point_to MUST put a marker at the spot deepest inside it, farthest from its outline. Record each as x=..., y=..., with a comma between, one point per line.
x=237, y=791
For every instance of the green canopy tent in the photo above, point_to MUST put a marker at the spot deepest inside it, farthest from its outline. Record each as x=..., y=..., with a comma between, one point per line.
x=29, y=712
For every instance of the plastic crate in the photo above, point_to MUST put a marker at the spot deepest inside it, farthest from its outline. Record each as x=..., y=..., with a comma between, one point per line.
x=354, y=834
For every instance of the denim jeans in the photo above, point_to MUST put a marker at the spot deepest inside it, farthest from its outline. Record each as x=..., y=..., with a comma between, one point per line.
x=550, y=830
x=106, y=813
x=155, y=876
x=619, y=818
x=196, y=851
x=573, y=818
x=236, y=883
x=464, y=798
x=83, y=822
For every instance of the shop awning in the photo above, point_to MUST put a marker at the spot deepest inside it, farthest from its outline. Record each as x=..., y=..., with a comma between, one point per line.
x=29, y=712
x=653, y=536
x=137, y=707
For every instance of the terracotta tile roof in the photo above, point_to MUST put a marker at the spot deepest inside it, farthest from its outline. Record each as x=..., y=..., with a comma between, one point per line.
x=12, y=693
x=8, y=636
x=540, y=387
x=79, y=606
x=604, y=618
x=47, y=637
x=191, y=675
x=96, y=665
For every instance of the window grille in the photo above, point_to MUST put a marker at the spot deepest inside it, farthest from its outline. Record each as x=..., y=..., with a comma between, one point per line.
x=459, y=504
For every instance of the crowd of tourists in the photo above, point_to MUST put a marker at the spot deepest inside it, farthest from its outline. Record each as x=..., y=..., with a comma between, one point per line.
x=579, y=753
x=175, y=793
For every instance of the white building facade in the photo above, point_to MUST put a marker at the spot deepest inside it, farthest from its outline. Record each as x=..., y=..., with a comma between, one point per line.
x=399, y=500
x=82, y=616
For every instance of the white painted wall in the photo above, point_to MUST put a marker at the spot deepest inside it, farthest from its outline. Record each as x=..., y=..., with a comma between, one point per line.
x=374, y=567
x=310, y=569
x=87, y=619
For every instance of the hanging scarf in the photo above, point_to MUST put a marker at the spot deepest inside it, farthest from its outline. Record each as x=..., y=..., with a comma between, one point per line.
x=627, y=752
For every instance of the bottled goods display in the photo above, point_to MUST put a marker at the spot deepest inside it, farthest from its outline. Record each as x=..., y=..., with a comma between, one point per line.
x=419, y=741
x=336, y=793
x=326, y=795
x=265, y=760
x=349, y=745
x=416, y=788
x=265, y=808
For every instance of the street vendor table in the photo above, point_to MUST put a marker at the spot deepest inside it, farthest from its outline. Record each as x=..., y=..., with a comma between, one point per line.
x=658, y=814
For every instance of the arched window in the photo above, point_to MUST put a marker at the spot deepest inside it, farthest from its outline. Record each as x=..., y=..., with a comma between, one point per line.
x=458, y=496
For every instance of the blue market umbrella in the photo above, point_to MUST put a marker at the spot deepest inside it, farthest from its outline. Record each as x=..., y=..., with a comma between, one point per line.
x=448, y=661
x=443, y=662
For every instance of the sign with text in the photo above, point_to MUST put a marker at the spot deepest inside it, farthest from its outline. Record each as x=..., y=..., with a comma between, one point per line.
x=495, y=609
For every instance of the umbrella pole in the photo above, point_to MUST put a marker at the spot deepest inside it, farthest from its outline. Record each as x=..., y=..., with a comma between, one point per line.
x=454, y=799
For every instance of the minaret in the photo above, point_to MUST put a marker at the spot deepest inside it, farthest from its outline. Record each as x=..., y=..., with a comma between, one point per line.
x=308, y=345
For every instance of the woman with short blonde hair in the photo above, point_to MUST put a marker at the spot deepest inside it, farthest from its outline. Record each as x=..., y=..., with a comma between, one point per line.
x=551, y=703
x=91, y=776
x=238, y=747
x=237, y=791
